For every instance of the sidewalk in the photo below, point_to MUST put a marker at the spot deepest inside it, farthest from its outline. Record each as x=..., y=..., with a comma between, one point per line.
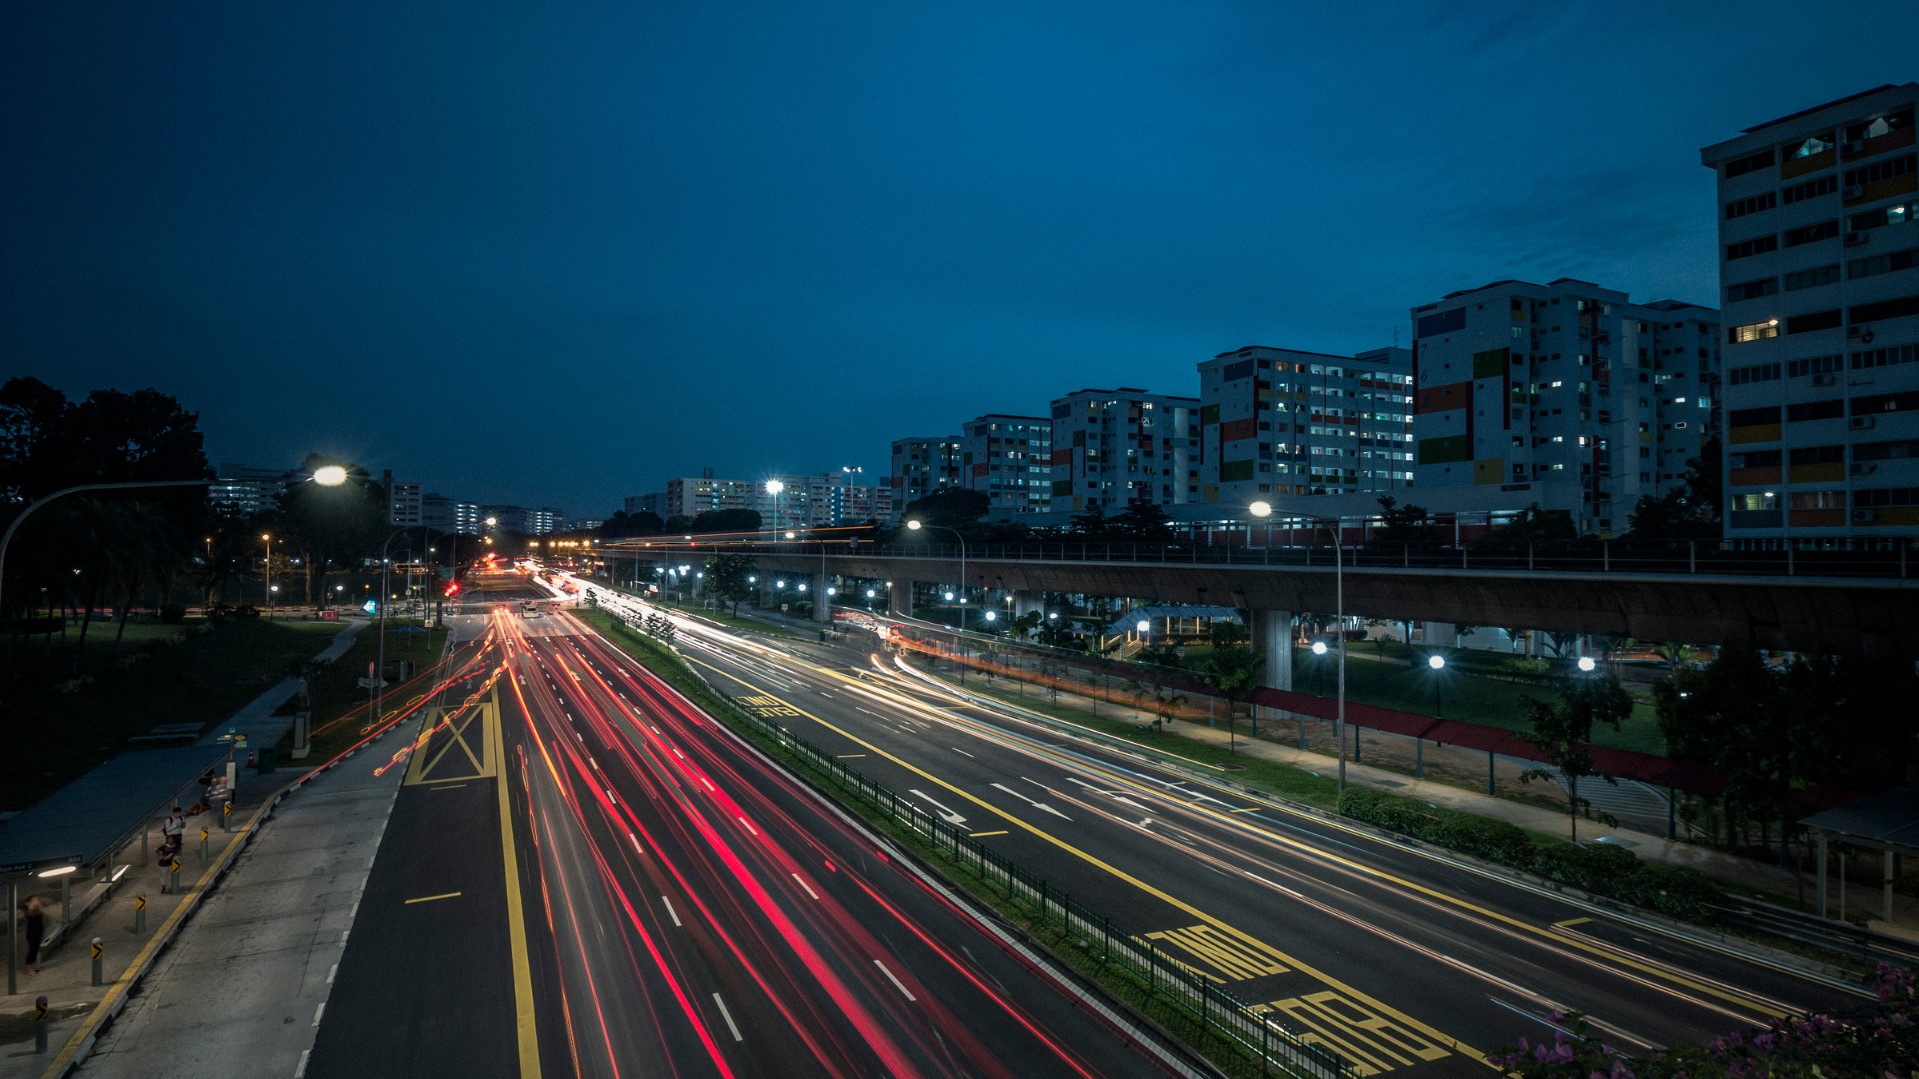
x=131, y=939
x=229, y=973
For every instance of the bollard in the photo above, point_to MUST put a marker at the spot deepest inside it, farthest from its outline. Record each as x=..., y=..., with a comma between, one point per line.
x=203, y=848
x=139, y=914
x=99, y=950
x=40, y=1024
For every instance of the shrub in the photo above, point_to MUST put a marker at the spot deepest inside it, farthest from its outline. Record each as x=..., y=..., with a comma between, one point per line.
x=173, y=613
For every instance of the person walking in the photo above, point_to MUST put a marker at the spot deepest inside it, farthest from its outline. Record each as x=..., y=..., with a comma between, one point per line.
x=172, y=829
x=33, y=911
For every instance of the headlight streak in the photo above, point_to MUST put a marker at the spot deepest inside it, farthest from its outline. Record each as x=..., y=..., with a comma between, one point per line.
x=860, y=940
x=1691, y=987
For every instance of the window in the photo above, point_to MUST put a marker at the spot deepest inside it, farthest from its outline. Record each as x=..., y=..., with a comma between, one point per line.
x=1752, y=290
x=1818, y=455
x=1824, y=230
x=1884, y=357
x=1814, y=320
x=1756, y=459
x=1811, y=189
x=1884, y=309
x=1882, y=170
x=1806, y=411
x=1758, y=245
x=1899, y=449
x=1883, y=125
x=1741, y=207
x=1813, y=145
x=1761, y=372
x=1750, y=163
x=1752, y=331
x=1813, y=278
x=1905, y=401
x=1818, y=500
x=1886, y=496
x=1883, y=216
x=1815, y=365
x=1753, y=417
x=1889, y=262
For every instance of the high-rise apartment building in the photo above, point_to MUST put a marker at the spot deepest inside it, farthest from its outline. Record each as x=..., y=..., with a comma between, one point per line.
x=246, y=490
x=1114, y=447
x=1275, y=421
x=1819, y=263
x=829, y=498
x=449, y=514
x=403, y=503
x=922, y=466
x=1566, y=388
x=1009, y=459
x=690, y=496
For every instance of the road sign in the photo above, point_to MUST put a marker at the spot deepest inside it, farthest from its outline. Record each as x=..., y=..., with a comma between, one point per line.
x=98, y=948
x=371, y=606
x=140, y=901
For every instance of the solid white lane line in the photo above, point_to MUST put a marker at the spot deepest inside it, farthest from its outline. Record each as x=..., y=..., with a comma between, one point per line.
x=895, y=981
x=635, y=840
x=728, y=1016
x=670, y=912
x=749, y=827
x=331, y=971
x=961, y=752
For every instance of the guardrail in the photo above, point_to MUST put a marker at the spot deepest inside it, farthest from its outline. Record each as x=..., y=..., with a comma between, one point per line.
x=1840, y=937
x=1274, y=1047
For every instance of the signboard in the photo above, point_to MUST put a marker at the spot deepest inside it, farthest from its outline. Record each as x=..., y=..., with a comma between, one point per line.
x=371, y=606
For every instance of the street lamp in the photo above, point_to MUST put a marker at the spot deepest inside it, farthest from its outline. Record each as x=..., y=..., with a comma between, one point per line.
x=1263, y=509
x=915, y=526
x=1438, y=664
x=1586, y=664
x=774, y=487
x=328, y=476
x=269, y=583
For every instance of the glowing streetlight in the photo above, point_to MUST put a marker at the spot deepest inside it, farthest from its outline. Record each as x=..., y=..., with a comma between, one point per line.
x=915, y=526
x=1586, y=664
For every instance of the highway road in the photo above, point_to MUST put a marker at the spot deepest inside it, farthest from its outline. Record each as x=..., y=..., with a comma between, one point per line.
x=1406, y=962
x=662, y=900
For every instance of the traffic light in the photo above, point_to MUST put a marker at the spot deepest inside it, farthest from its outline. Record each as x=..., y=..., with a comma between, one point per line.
x=452, y=588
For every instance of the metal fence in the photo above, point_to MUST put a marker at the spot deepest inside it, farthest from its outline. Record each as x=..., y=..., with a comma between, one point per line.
x=1277, y=1050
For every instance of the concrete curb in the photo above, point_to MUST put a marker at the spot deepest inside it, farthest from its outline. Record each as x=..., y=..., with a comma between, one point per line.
x=81, y=1042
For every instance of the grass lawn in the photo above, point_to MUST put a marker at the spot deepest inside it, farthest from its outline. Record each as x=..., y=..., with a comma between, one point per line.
x=68, y=710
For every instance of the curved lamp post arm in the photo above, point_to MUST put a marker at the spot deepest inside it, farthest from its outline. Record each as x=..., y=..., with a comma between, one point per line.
x=7, y=538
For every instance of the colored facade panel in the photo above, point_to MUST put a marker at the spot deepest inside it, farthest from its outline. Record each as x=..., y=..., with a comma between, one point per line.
x=1444, y=450
x=1445, y=398
x=1489, y=470
x=1490, y=363
x=1236, y=430
x=1443, y=322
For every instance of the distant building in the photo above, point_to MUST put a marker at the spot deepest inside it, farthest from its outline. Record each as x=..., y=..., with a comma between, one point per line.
x=1277, y=421
x=654, y=503
x=546, y=520
x=690, y=496
x=829, y=498
x=922, y=466
x=1565, y=393
x=507, y=518
x=404, y=507
x=246, y=490
x=1113, y=447
x=1009, y=459
x=449, y=514
x=1819, y=267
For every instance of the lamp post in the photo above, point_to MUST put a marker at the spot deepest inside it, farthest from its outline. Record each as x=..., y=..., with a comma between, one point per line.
x=268, y=536
x=386, y=586
x=329, y=476
x=1438, y=664
x=774, y=487
x=915, y=526
x=1264, y=509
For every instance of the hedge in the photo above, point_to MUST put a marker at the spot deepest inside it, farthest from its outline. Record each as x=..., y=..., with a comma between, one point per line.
x=1602, y=869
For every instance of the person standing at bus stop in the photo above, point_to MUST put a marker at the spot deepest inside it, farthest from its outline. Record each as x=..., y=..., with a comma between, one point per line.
x=33, y=911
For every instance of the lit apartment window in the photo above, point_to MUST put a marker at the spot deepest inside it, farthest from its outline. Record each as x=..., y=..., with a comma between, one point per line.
x=1752, y=331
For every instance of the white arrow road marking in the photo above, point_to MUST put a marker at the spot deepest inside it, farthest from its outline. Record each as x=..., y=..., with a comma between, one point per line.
x=946, y=814
x=1032, y=803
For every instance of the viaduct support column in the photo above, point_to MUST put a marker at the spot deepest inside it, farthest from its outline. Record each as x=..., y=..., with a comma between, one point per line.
x=1272, y=633
x=899, y=599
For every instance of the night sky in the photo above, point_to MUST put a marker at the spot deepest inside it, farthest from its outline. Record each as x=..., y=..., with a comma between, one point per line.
x=553, y=254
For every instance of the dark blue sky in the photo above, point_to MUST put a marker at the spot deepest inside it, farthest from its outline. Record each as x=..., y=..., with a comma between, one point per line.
x=553, y=254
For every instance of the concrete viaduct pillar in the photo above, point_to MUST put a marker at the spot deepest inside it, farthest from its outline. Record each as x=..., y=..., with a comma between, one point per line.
x=899, y=599
x=1272, y=633
x=818, y=583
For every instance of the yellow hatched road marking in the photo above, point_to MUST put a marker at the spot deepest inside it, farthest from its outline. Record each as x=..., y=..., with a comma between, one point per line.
x=1245, y=939
x=1226, y=955
x=1372, y=1041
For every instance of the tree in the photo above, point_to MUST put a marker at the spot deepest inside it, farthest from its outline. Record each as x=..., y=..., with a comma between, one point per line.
x=624, y=525
x=728, y=576
x=1564, y=728
x=1533, y=525
x=1403, y=526
x=956, y=508
x=1090, y=525
x=1232, y=669
x=344, y=525
x=1141, y=522
x=729, y=520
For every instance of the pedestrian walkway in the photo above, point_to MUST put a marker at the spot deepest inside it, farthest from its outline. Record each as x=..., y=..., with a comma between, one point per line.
x=227, y=975
x=257, y=721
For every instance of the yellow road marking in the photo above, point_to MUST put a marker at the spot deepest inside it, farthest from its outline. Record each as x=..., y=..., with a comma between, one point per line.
x=850, y=756
x=981, y=835
x=447, y=786
x=1528, y=928
x=1244, y=938
x=529, y=1037
x=1570, y=922
x=431, y=898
